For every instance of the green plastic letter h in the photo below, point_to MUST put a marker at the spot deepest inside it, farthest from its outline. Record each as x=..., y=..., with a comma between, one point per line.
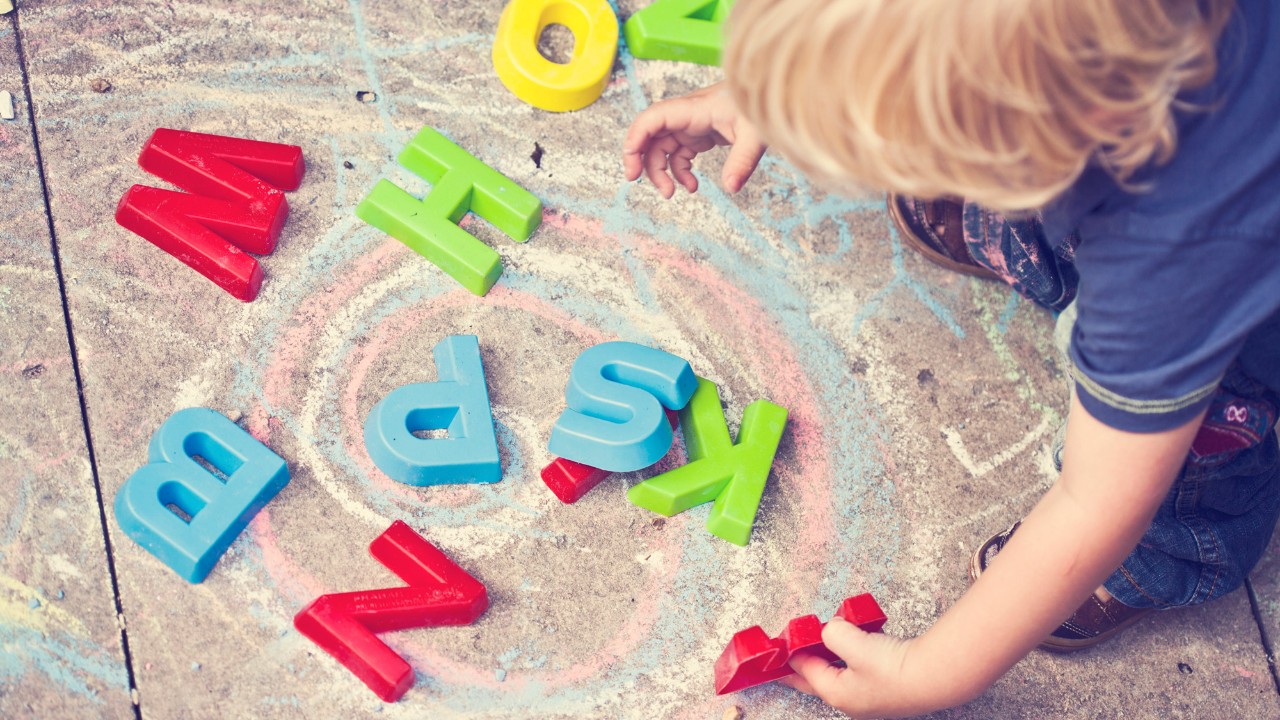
x=459, y=183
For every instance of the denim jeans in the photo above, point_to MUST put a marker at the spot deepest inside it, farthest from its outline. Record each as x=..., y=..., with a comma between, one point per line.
x=1218, y=517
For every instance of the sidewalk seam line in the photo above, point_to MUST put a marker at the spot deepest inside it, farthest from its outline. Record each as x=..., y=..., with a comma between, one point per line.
x=134, y=697
x=1262, y=633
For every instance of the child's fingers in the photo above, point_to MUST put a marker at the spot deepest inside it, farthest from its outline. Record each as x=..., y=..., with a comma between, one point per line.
x=820, y=677
x=848, y=641
x=633, y=159
x=827, y=681
x=743, y=158
x=632, y=165
x=655, y=162
x=798, y=683
x=658, y=120
x=655, y=167
x=682, y=167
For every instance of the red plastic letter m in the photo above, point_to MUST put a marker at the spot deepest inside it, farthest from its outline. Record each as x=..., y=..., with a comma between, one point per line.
x=234, y=204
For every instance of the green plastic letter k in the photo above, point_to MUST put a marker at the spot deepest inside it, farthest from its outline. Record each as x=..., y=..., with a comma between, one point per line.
x=733, y=475
x=459, y=183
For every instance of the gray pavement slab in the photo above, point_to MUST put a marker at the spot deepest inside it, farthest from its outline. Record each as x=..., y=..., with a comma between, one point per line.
x=60, y=644
x=922, y=404
x=1264, y=582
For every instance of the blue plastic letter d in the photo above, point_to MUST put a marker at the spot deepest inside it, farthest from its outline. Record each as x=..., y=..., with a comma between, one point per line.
x=615, y=395
x=459, y=403
x=218, y=505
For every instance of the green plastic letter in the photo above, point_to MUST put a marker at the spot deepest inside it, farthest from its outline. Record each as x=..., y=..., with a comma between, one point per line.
x=683, y=30
x=732, y=475
x=459, y=182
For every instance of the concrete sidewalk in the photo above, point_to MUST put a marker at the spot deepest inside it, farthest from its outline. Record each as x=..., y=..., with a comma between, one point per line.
x=922, y=403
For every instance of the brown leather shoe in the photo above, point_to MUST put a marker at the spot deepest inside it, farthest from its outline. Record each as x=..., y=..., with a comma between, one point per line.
x=1092, y=623
x=935, y=229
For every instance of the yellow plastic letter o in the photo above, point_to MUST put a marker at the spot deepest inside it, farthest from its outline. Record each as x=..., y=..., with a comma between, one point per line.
x=545, y=84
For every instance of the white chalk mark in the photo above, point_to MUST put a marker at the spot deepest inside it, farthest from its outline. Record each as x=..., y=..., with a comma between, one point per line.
x=39, y=272
x=977, y=469
x=63, y=567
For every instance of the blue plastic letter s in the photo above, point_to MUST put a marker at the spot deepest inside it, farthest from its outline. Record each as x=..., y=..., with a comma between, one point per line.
x=615, y=395
x=459, y=403
x=218, y=510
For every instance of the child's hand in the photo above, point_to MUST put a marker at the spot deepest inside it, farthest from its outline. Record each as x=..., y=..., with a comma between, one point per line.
x=873, y=683
x=668, y=135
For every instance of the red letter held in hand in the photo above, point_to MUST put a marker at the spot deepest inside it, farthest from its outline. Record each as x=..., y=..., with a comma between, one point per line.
x=236, y=204
x=439, y=593
x=754, y=658
x=571, y=480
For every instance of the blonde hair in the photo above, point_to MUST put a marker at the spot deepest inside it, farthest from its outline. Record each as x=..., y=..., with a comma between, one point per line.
x=1004, y=102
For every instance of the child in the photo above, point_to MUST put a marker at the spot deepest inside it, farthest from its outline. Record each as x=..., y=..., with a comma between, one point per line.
x=1137, y=142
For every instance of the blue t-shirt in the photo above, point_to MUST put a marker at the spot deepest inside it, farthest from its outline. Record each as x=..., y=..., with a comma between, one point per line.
x=1182, y=279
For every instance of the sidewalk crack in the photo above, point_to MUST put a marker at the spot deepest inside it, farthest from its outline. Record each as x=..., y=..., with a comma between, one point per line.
x=75, y=362
x=1262, y=634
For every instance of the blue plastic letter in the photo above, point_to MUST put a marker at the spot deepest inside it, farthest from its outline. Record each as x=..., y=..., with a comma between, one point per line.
x=218, y=509
x=615, y=395
x=459, y=403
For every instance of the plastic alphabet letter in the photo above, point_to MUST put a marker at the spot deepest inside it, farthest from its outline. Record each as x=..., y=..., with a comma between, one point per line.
x=549, y=85
x=616, y=394
x=570, y=481
x=439, y=593
x=732, y=475
x=459, y=403
x=218, y=509
x=459, y=183
x=683, y=30
x=753, y=658
x=236, y=205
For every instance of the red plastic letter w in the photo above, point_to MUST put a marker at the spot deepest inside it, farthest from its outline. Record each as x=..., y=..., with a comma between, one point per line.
x=236, y=203
x=439, y=593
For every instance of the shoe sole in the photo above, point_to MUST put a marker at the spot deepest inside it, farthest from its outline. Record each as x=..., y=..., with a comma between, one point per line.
x=1064, y=646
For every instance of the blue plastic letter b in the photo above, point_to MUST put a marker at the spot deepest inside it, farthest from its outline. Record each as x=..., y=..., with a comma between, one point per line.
x=615, y=395
x=211, y=508
x=457, y=403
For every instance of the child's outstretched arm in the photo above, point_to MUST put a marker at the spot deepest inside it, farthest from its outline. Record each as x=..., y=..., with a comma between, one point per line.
x=1111, y=485
x=668, y=135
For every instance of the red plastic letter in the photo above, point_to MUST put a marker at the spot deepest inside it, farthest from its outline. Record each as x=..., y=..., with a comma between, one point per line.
x=439, y=593
x=753, y=658
x=571, y=480
x=236, y=205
